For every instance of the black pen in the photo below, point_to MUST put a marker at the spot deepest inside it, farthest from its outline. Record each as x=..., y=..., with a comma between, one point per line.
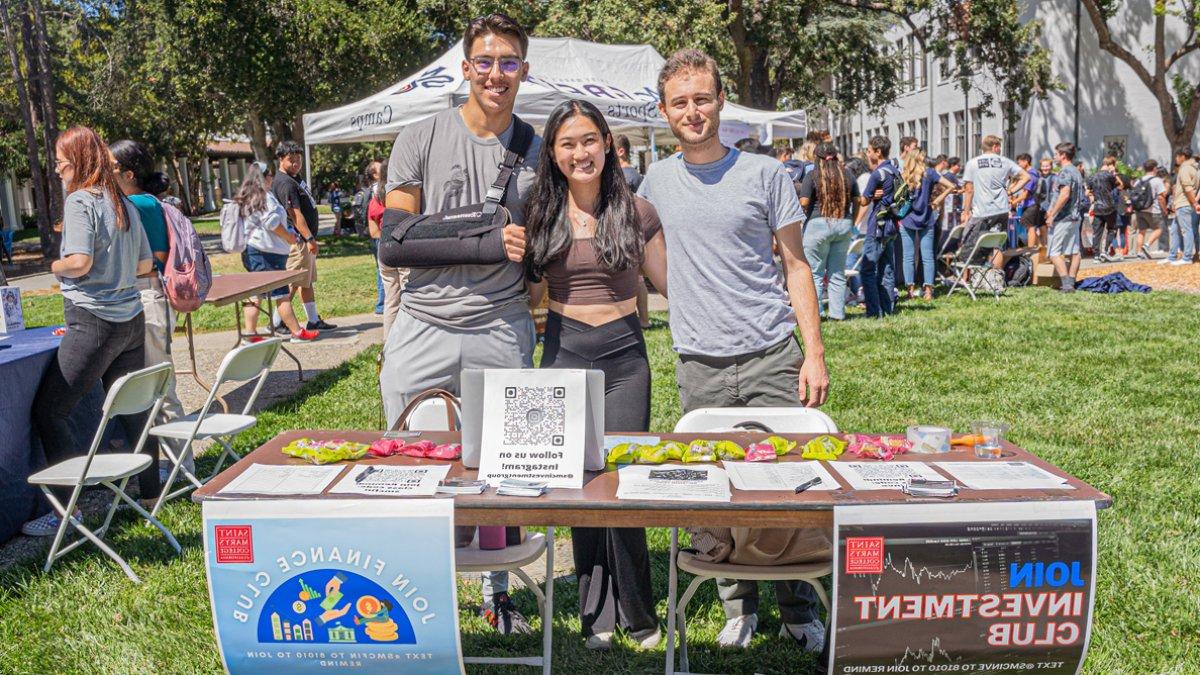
x=807, y=484
x=362, y=476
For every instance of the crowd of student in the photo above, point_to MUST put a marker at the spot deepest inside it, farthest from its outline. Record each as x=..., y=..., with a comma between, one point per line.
x=741, y=244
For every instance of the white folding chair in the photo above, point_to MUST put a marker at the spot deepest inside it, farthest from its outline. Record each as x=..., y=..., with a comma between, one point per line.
x=134, y=393
x=242, y=364
x=856, y=248
x=941, y=262
x=432, y=414
x=797, y=420
x=975, y=272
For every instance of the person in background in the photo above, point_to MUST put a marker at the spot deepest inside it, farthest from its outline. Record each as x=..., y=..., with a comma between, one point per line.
x=634, y=179
x=6, y=238
x=1062, y=217
x=104, y=250
x=335, y=205
x=138, y=179
x=916, y=227
x=879, y=227
x=953, y=208
x=1025, y=203
x=590, y=242
x=1103, y=190
x=268, y=243
x=988, y=183
x=734, y=312
x=1164, y=174
x=805, y=156
x=1149, y=221
x=1185, y=204
x=390, y=279
x=829, y=196
x=302, y=218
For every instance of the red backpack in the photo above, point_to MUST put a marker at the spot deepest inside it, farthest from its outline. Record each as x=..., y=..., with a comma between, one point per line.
x=188, y=275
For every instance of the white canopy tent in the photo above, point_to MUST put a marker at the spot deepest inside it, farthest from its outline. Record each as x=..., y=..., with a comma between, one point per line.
x=621, y=80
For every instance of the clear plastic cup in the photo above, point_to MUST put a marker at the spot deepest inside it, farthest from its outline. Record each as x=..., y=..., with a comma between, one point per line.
x=990, y=444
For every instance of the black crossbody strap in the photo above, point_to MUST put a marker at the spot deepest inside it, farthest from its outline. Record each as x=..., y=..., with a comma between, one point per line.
x=521, y=140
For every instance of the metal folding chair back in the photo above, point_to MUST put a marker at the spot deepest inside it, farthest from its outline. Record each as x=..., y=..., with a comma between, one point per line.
x=243, y=364
x=130, y=394
x=976, y=266
x=794, y=420
x=856, y=248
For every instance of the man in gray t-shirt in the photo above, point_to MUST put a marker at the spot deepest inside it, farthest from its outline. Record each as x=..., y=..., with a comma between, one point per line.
x=988, y=180
x=733, y=311
x=465, y=316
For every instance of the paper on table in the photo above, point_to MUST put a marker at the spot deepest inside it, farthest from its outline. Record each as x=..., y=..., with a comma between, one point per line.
x=397, y=481
x=673, y=482
x=1004, y=476
x=613, y=440
x=884, y=475
x=283, y=479
x=778, y=475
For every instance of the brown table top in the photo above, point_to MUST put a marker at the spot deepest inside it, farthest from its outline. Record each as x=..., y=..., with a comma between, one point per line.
x=596, y=505
x=230, y=288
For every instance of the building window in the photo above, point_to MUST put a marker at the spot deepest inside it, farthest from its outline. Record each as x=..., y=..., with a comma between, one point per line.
x=912, y=61
x=944, y=125
x=912, y=128
x=924, y=133
x=900, y=52
x=960, y=135
x=977, y=127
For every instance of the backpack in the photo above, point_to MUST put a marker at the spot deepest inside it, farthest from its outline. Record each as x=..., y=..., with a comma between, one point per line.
x=359, y=206
x=188, y=275
x=901, y=196
x=1018, y=271
x=1141, y=195
x=233, y=228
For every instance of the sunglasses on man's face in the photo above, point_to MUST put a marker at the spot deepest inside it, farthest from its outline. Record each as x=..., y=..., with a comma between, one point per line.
x=483, y=65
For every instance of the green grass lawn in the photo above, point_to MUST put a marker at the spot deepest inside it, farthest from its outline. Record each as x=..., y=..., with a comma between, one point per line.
x=1103, y=386
x=345, y=285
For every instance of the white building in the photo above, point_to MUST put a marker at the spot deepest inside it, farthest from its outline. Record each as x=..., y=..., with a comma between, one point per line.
x=1112, y=110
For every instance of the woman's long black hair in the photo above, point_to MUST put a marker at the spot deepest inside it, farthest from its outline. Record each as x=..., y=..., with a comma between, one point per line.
x=618, y=238
x=136, y=157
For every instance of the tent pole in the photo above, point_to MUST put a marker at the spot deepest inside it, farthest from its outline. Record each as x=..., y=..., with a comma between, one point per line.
x=653, y=146
x=308, y=170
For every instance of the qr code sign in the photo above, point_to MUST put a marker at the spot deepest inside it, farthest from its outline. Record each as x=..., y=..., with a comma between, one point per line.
x=535, y=415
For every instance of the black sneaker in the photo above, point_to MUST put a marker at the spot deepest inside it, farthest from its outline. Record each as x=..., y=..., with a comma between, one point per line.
x=501, y=614
x=281, y=329
x=320, y=324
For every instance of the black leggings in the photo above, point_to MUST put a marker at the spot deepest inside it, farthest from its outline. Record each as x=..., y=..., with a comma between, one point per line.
x=92, y=350
x=612, y=564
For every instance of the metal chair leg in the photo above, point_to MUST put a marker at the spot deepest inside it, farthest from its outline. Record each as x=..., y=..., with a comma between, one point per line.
x=681, y=619
x=548, y=609
x=91, y=536
x=672, y=583
x=147, y=515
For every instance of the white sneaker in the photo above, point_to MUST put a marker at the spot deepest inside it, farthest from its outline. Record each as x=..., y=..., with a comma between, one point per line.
x=738, y=631
x=46, y=526
x=1179, y=262
x=648, y=641
x=810, y=636
x=599, y=641
x=1166, y=261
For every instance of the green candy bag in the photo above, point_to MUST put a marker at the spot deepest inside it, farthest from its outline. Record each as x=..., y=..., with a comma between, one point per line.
x=782, y=445
x=730, y=450
x=651, y=454
x=674, y=450
x=622, y=453
x=700, y=451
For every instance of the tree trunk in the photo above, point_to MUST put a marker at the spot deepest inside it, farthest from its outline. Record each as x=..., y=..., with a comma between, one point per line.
x=256, y=129
x=185, y=191
x=754, y=80
x=49, y=101
x=45, y=232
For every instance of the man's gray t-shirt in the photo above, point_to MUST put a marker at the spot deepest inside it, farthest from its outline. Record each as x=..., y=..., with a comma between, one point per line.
x=727, y=296
x=991, y=174
x=1067, y=177
x=454, y=167
x=109, y=289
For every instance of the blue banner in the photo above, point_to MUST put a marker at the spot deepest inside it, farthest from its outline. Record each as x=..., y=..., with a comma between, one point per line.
x=313, y=586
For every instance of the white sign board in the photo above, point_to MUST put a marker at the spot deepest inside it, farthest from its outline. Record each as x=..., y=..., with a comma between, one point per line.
x=12, y=317
x=534, y=426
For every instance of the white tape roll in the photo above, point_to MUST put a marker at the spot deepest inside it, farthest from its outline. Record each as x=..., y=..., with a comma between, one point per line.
x=929, y=440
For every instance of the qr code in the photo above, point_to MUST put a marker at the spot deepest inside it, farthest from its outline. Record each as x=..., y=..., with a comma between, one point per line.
x=535, y=415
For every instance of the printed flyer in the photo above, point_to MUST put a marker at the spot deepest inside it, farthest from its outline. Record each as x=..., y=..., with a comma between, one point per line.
x=315, y=586
x=963, y=588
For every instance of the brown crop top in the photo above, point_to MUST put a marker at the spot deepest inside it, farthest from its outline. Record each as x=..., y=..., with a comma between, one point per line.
x=576, y=278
